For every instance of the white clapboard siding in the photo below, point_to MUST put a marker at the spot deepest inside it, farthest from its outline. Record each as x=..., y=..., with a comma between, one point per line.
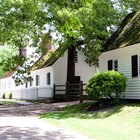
x=123, y=55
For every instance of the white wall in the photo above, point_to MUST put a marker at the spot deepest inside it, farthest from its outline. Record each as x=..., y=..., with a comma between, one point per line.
x=32, y=92
x=25, y=93
x=60, y=70
x=7, y=83
x=58, y=73
x=6, y=86
x=123, y=55
x=43, y=77
x=83, y=69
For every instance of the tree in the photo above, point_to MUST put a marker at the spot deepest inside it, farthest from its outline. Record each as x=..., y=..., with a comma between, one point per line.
x=82, y=23
x=23, y=23
x=7, y=53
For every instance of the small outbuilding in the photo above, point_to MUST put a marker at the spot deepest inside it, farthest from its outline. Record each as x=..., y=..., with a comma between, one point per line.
x=49, y=69
x=122, y=53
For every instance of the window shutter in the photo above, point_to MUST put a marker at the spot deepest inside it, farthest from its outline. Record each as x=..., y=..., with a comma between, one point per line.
x=48, y=78
x=37, y=80
x=76, y=57
x=26, y=85
x=31, y=83
x=134, y=65
x=110, y=64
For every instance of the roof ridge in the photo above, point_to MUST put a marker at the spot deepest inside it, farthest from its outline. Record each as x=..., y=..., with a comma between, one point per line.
x=126, y=34
x=128, y=25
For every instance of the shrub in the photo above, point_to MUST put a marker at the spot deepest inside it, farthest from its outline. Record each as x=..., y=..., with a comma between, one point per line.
x=10, y=95
x=109, y=84
x=3, y=95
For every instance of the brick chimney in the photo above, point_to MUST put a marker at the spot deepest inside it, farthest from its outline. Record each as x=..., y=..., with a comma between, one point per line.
x=22, y=52
x=49, y=42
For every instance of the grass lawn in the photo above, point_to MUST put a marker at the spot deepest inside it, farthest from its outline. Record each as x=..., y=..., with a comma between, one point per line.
x=115, y=123
x=7, y=102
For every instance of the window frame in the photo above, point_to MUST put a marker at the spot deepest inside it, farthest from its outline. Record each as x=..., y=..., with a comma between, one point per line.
x=37, y=80
x=76, y=56
x=135, y=69
x=31, y=83
x=115, y=68
x=48, y=78
x=26, y=85
x=111, y=64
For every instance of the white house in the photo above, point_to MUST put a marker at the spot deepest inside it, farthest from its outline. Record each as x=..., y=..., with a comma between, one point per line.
x=50, y=69
x=122, y=53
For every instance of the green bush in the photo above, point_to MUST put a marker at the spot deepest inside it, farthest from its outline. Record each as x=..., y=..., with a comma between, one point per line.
x=109, y=84
x=10, y=95
x=3, y=95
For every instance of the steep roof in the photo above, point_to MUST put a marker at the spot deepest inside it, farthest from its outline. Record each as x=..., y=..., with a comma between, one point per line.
x=128, y=33
x=49, y=58
x=7, y=74
x=44, y=61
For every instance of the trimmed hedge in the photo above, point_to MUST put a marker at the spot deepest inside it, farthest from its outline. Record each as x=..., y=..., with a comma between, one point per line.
x=3, y=96
x=10, y=95
x=109, y=84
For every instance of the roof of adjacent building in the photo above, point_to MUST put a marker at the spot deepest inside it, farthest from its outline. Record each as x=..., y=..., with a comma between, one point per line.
x=49, y=58
x=128, y=33
x=45, y=60
x=7, y=74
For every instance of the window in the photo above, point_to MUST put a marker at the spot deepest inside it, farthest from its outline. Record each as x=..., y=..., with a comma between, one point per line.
x=76, y=57
x=134, y=65
x=31, y=83
x=4, y=85
x=48, y=78
x=37, y=80
x=9, y=86
x=113, y=65
x=26, y=85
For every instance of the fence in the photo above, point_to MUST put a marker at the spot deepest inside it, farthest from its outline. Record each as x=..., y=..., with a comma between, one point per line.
x=72, y=91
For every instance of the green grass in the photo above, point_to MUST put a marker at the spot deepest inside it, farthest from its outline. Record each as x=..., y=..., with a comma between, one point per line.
x=115, y=123
x=7, y=102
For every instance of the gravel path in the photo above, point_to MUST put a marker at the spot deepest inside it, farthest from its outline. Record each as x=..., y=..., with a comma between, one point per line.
x=21, y=122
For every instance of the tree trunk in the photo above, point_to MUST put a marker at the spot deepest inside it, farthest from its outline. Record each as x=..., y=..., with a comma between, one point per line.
x=71, y=65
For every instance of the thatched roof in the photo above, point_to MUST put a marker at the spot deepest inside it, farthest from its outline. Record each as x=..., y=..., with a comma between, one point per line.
x=44, y=61
x=128, y=33
x=49, y=58
x=7, y=74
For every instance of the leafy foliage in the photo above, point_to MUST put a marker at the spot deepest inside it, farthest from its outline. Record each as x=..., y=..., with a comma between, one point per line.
x=24, y=23
x=109, y=84
x=86, y=24
x=8, y=58
x=22, y=75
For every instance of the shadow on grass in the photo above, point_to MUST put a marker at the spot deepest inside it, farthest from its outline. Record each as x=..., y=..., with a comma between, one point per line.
x=80, y=111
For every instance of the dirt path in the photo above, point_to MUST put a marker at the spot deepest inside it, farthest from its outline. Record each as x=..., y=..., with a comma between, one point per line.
x=31, y=109
x=20, y=122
